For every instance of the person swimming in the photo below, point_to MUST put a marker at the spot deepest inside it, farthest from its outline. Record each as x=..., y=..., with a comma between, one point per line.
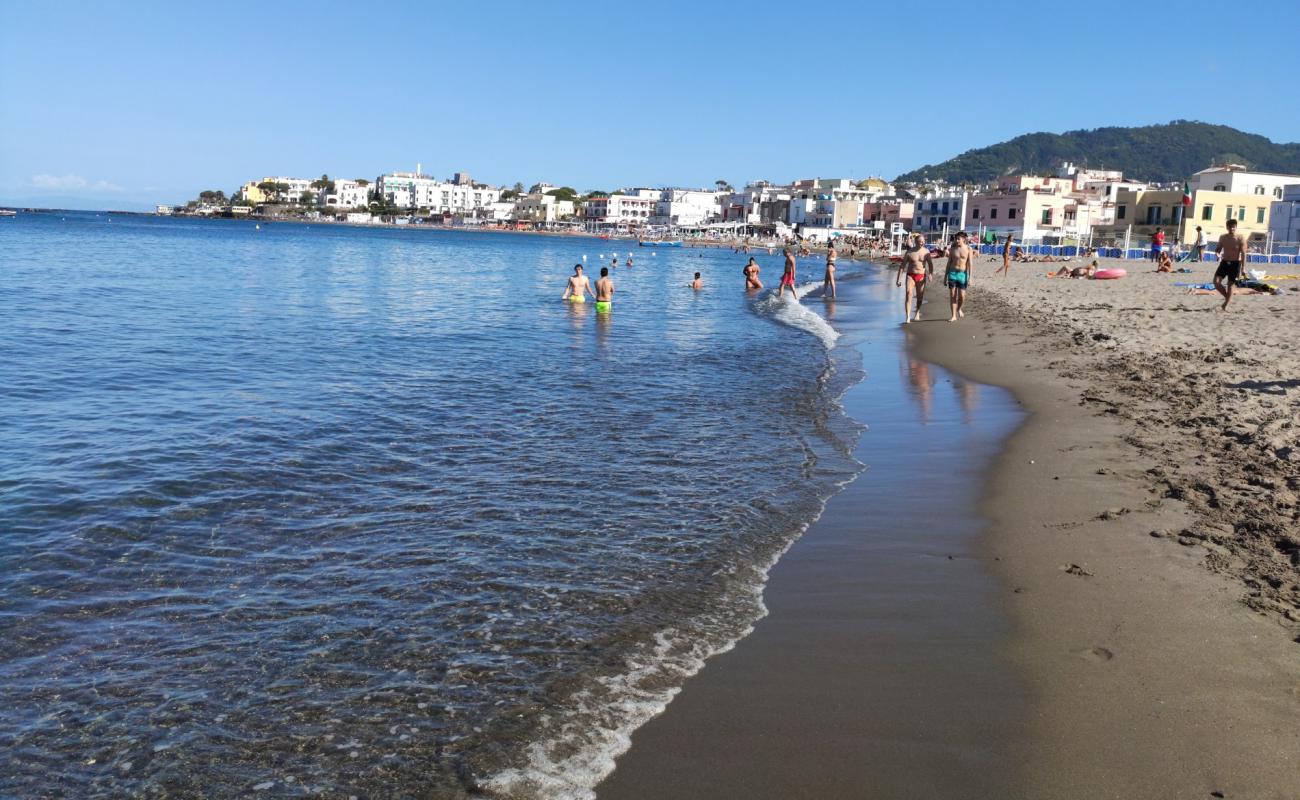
x=578, y=286
x=697, y=283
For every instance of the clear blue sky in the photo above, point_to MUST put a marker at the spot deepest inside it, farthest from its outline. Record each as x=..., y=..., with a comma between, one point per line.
x=121, y=105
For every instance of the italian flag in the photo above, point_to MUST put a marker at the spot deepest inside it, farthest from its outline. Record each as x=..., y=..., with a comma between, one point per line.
x=1187, y=194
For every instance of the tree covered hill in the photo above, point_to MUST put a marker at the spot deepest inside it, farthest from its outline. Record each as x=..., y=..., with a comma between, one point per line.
x=1155, y=153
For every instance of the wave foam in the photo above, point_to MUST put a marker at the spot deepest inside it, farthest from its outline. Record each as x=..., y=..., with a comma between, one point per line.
x=570, y=763
x=787, y=310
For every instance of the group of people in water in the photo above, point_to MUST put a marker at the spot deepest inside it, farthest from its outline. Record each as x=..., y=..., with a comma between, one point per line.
x=917, y=263
x=915, y=272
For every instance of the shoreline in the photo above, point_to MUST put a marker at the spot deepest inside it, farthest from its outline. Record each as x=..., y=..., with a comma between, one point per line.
x=878, y=664
x=1158, y=656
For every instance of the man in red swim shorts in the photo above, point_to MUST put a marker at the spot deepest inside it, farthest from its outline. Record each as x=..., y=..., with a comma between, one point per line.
x=918, y=265
x=787, y=277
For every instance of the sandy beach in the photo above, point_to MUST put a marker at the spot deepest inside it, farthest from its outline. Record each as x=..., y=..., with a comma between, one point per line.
x=1143, y=528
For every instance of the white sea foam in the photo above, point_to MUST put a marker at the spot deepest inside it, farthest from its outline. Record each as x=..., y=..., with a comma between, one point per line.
x=598, y=727
x=787, y=310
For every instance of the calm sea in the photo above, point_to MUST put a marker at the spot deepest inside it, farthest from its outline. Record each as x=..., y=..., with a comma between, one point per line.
x=314, y=510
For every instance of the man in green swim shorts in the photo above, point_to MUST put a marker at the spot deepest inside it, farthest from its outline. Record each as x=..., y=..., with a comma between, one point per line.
x=576, y=290
x=957, y=275
x=604, y=291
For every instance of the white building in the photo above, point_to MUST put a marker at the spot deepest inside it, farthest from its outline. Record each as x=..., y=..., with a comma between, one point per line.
x=413, y=190
x=620, y=209
x=1284, y=216
x=1237, y=179
x=685, y=207
x=347, y=194
x=542, y=208
x=937, y=212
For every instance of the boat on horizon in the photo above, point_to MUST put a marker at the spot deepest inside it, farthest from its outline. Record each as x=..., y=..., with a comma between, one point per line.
x=4, y=212
x=673, y=243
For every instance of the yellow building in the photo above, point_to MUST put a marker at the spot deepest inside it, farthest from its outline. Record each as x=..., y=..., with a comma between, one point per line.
x=1148, y=209
x=251, y=193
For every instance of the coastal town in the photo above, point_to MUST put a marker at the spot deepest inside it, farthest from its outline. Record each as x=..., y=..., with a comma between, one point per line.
x=1073, y=208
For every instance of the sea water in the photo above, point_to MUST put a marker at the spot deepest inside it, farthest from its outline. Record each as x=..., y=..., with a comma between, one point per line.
x=360, y=511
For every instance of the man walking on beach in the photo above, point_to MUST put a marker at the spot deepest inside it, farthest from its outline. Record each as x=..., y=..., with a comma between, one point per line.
x=1006, y=257
x=751, y=275
x=578, y=287
x=1157, y=244
x=957, y=274
x=1232, y=251
x=1198, y=248
x=919, y=268
x=787, y=277
x=604, y=292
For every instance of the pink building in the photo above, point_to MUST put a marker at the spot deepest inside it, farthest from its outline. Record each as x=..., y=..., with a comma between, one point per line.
x=1027, y=207
x=889, y=210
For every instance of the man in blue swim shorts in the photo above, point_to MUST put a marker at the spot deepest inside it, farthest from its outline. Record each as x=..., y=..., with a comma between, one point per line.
x=957, y=274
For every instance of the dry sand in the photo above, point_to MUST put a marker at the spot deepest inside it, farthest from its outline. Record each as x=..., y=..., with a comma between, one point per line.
x=1146, y=521
x=1212, y=397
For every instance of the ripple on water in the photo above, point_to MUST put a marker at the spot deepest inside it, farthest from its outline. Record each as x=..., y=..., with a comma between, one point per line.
x=316, y=510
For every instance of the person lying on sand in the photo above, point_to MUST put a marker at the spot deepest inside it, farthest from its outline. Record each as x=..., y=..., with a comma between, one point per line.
x=1077, y=272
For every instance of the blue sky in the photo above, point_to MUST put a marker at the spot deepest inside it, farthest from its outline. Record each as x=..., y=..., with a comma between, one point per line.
x=121, y=105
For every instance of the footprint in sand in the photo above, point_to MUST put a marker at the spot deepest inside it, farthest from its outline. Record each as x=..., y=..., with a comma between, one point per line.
x=1098, y=654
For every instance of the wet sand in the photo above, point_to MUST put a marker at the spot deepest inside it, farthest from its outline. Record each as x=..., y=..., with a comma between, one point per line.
x=878, y=670
x=1144, y=553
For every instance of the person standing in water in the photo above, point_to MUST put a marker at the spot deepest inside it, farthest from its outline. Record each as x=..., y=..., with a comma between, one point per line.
x=578, y=287
x=828, y=283
x=787, y=277
x=604, y=291
x=697, y=283
x=918, y=266
x=1232, y=251
x=957, y=274
x=751, y=275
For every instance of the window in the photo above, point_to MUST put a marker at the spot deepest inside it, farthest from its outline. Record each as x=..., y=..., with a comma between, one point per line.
x=1218, y=187
x=975, y=214
x=993, y=213
x=956, y=205
x=1241, y=213
x=1259, y=216
x=1121, y=212
x=1011, y=213
x=1047, y=216
x=1259, y=189
x=1207, y=212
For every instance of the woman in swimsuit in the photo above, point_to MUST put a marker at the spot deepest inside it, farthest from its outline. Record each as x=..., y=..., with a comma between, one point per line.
x=828, y=283
x=751, y=275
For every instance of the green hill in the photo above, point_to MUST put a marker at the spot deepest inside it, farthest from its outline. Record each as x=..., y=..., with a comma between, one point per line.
x=1151, y=153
